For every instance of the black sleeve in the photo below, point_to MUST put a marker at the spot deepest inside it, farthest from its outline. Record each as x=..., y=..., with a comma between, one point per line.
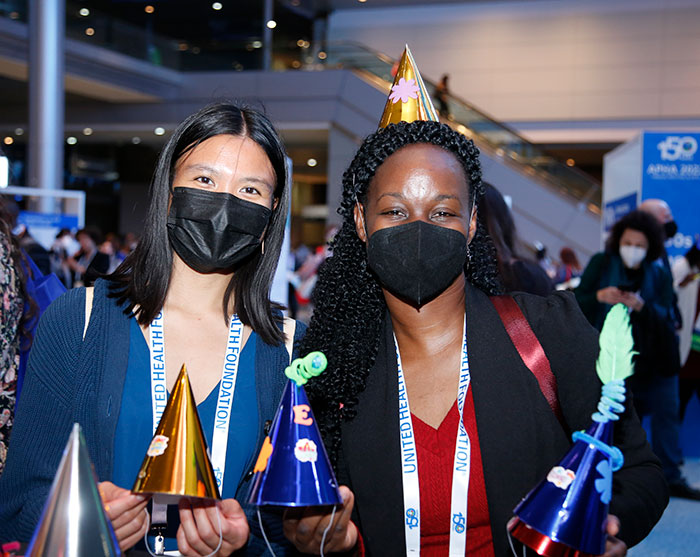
x=531, y=278
x=587, y=289
x=655, y=331
x=640, y=494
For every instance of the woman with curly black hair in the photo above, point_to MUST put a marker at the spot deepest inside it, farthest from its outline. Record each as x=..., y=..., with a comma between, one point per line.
x=411, y=289
x=435, y=424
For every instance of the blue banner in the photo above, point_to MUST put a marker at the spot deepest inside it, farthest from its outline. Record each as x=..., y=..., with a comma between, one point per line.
x=618, y=208
x=47, y=220
x=671, y=171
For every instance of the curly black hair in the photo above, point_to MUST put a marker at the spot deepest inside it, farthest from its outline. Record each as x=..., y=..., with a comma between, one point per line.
x=643, y=222
x=349, y=305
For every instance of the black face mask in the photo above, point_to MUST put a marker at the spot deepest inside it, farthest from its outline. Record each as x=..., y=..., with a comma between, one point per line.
x=670, y=229
x=417, y=261
x=214, y=231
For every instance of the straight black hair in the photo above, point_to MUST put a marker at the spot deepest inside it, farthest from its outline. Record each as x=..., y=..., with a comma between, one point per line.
x=142, y=279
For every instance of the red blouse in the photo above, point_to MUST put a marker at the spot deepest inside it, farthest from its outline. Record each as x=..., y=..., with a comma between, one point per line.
x=435, y=451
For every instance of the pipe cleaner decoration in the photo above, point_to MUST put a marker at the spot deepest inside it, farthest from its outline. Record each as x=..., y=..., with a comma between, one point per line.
x=566, y=513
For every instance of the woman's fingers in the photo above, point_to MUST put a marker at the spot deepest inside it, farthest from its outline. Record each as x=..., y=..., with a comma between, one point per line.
x=190, y=529
x=234, y=523
x=203, y=524
x=612, y=526
x=614, y=547
x=344, y=532
x=306, y=529
x=134, y=538
x=126, y=512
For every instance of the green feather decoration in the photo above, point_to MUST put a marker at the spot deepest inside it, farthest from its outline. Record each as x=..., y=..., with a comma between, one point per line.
x=616, y=346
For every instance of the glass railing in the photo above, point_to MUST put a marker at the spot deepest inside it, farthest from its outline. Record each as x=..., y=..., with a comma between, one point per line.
x=499, y=139
x=98, y=29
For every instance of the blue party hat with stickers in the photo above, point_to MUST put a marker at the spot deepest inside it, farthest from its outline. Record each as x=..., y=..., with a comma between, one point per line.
x=293, y=469
x=566, y=514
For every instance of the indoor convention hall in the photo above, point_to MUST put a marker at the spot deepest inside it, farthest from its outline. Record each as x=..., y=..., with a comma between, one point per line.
x=427, y=271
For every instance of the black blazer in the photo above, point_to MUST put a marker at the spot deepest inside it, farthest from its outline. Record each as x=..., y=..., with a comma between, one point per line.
x=519, y=436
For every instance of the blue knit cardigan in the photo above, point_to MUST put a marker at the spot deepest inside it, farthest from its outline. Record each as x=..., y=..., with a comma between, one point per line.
x=74, y=380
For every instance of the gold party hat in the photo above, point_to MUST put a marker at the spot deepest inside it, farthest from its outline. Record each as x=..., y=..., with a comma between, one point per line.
x=177, y=463
x=74, y=522
x=409, y=99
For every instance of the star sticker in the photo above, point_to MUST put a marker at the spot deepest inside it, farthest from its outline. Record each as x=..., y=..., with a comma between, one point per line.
x=404, y=90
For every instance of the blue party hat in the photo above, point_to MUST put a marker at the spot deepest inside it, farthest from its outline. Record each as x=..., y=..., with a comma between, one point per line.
x=566, y=514
x=570, y=506
x=293, y=469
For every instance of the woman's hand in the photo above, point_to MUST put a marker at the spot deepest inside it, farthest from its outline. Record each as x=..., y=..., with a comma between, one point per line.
x=632, y=300
x=609, y=295
x=305, y=527
x=198, y=533
x=614, y=547
x=125, y=510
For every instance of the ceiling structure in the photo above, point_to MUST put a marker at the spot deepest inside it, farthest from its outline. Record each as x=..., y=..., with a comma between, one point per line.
x=199, y=27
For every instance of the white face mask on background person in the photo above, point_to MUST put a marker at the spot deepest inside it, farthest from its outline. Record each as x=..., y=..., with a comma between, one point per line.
x=632, y=256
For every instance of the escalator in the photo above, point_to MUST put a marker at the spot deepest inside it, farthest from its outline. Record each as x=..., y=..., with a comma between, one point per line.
x=553, y=203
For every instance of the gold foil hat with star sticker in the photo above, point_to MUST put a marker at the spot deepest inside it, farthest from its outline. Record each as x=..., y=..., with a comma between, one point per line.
x=409, y=99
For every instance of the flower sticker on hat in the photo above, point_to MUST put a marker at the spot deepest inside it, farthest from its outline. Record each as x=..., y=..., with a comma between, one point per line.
x=158, y=445
x=561, y=477
x=404, y=90
x=305, y=450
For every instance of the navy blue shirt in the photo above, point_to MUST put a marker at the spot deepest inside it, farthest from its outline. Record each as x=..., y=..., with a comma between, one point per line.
x=135, y=426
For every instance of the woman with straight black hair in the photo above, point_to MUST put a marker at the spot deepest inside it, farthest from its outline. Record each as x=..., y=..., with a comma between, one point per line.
x=194, y=291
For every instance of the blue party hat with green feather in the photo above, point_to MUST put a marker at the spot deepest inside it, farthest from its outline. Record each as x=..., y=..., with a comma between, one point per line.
x=567, y=512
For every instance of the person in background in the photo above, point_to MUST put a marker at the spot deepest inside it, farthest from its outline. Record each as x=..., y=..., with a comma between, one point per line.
x=569, y=267
x=60, y=250
x=518, y=274
x=13, y=318
x=442, y=94
x=31, y=248
x=112, y=246
x=661, y=211
x=686, y=280
x=544, y=261
x=628, y=272
x=89, y=263
x=129, y=243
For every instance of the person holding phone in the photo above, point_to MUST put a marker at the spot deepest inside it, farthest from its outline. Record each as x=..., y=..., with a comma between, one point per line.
x=628, y=272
